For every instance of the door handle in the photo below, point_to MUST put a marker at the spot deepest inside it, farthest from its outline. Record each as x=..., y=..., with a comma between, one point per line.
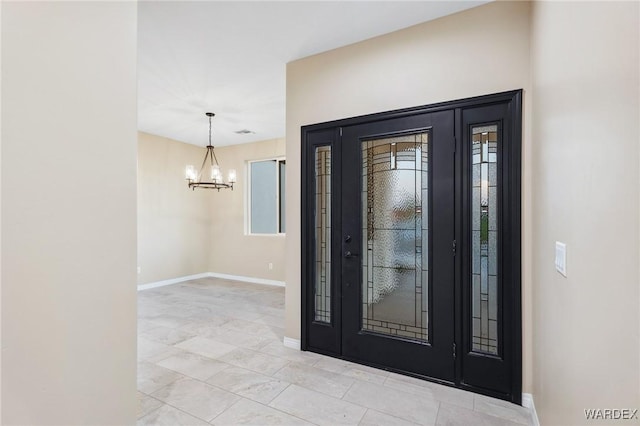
x=349, y=255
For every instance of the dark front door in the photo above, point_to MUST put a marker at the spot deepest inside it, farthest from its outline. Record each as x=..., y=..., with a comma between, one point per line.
x=397, y=233
x=410, y=242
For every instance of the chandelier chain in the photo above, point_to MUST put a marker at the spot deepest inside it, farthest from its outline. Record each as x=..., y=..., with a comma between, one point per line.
x=214, y=159
x=209, y=130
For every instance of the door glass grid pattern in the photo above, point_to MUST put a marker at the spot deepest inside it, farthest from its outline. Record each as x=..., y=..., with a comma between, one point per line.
x=484, y=237
x=395, y=236
x=323, y=234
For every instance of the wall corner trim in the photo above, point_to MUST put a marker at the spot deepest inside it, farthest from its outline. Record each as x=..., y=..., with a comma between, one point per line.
x=172, y=281
x=212, y=275
x=247, y=279
x=291, y=343
x=527, y=402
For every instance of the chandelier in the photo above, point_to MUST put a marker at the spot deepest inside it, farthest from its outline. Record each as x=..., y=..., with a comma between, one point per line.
x=194, y=178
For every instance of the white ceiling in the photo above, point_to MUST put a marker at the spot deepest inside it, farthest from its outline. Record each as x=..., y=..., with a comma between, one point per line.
x=229, y=57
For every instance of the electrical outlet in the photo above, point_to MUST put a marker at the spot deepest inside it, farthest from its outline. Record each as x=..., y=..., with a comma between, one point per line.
x=139, y=269
x=561, y=258
x=270, y=266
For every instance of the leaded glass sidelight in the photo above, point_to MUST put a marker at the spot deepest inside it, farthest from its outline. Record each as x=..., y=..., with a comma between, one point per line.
x=395, y=236
x=323, y=234
x=484, y=237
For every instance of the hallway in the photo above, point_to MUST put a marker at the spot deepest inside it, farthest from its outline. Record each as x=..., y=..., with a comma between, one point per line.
x=210, y=350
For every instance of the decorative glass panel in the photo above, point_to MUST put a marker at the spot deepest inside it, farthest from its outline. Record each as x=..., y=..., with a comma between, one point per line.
x=323, y=234
x=484, y=237
x=395, y=236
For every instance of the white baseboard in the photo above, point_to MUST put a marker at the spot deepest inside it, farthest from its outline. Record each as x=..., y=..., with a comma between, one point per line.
x=291, y=343
x=211, y=275
x=247, y=279
x=172, y=281
x=527, y=402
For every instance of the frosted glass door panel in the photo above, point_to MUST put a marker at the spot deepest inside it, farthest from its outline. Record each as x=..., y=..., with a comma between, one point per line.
x=395, y=236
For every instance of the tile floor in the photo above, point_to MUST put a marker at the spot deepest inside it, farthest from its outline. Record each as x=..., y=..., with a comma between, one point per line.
x=210, y=352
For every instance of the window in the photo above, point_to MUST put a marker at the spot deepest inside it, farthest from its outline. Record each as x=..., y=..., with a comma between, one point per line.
x=266, y=196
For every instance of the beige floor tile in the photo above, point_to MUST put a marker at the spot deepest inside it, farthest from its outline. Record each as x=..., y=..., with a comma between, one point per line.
x=152, y=377
x=149, y=309
x=147, y=404
x=196, y=398
x=255, y=361
x=193, y=365
x=169, y=416
x=329, y=383
x=236, y=309
x=353, y=370
x=144, y=325
x=376, y=418
x=249, y=384
x=240, y=339
x=169, y=351
x=363, y=375
x=431, y=390
x=334, y=365
x=207, y=314
x=201, y=327
x=317, y=408
x=276, y=348
x=451, y=415
x=211, y=332
x=274, y=320
x=149, y=348
x=272, y=310
x=245, y=412
x=414, y=408
x=169, y=321
x=166, y=335
x=254, y=328
x=206, y=347
x=503, y=409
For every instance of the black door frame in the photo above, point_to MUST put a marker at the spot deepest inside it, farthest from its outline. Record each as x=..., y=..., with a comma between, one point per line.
x=329, y=133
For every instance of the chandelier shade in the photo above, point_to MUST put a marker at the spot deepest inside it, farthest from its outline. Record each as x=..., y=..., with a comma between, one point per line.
x=209, y=176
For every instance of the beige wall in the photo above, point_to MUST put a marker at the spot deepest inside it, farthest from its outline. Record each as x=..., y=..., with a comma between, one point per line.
x=585, y=163
x=68, y=213
x=232, y=251
x=174, y=222
x=476, y=52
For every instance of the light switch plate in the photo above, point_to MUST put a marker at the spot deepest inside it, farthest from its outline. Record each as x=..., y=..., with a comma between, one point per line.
x=561, y=258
